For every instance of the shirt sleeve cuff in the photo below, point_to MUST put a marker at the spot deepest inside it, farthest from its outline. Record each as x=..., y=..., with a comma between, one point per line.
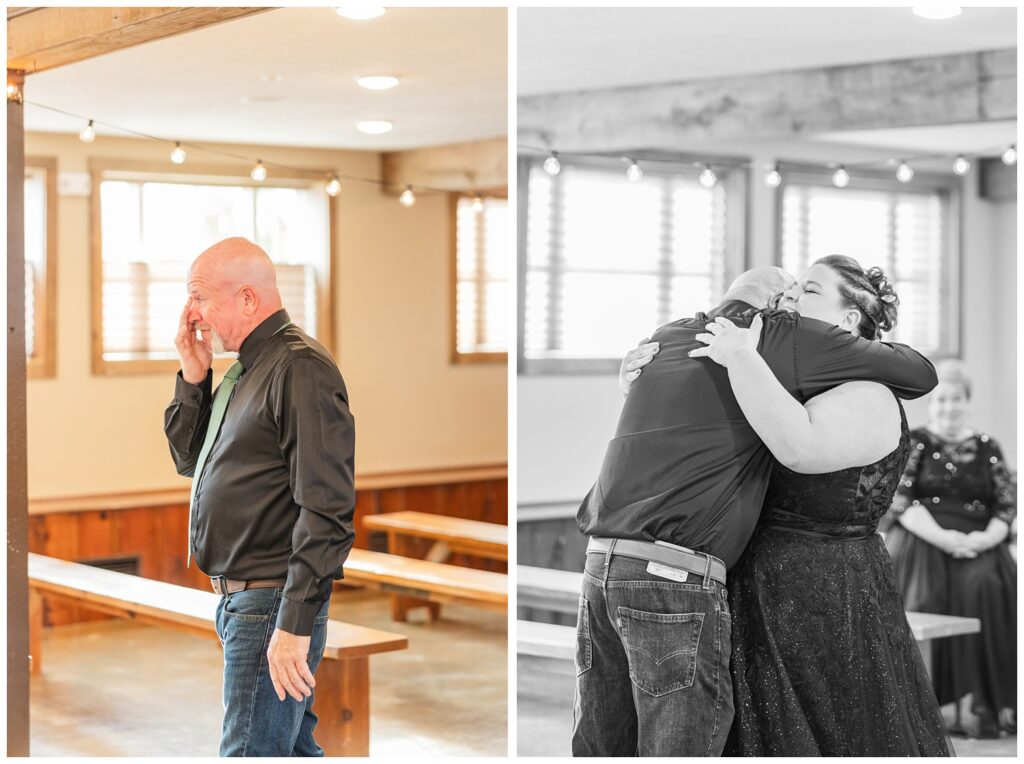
x=186, y=392
x=297, y=617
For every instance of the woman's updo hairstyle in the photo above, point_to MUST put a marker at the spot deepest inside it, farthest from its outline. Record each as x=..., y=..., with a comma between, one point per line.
x=869, y=291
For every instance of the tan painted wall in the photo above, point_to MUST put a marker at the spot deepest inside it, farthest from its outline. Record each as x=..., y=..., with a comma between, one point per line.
x=92, y=434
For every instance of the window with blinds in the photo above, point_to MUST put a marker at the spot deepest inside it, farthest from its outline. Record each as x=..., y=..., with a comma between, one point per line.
x=904, y=231
x=152, y=230
x=607, y=261
x=40, y=268
x=481, y=279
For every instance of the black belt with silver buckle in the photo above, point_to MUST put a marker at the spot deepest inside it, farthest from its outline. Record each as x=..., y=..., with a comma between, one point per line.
x=225, y=586
x=666, y=554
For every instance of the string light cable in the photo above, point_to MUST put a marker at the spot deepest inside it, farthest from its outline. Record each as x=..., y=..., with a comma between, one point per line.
x=960, y=164
x=260, y=168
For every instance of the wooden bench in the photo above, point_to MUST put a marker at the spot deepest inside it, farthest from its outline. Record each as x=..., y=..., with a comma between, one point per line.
x=343, y=677
x=407, y=532
x=425, y=582
x=559, y=591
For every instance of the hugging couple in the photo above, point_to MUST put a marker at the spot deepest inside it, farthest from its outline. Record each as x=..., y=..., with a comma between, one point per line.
x=737, y=598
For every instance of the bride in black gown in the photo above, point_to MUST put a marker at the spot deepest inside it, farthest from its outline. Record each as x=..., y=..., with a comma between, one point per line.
x=823, y=660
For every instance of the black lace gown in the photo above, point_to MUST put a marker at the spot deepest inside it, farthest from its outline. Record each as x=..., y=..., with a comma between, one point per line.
x=823, y=660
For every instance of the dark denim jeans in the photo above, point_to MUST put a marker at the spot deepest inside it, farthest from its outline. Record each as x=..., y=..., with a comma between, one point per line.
x=256, y=723
x=652, y=663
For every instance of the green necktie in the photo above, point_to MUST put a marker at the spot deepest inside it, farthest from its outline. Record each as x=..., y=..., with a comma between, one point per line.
x=220, y=405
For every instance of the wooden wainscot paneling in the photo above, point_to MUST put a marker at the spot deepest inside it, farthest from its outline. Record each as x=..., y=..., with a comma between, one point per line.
x=153, y=525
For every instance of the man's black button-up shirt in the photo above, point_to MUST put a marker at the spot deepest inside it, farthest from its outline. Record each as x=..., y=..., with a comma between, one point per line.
x=277, y=496
x=685, y=466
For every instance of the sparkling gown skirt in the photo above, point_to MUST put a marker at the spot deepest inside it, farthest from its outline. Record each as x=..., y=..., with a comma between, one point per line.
x=823, y=660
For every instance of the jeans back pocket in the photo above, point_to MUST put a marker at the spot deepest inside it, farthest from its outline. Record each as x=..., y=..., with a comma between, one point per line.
x=583, y=655
x=661, y=648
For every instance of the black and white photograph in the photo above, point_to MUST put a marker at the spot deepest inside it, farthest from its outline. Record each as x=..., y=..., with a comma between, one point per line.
x=766, y=430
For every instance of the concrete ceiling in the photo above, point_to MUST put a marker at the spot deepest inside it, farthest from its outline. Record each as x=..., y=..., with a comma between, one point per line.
x=286, y=77
x=569, y=49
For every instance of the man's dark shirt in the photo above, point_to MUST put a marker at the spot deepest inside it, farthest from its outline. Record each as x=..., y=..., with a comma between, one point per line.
x=277, y=497
x=685, y=466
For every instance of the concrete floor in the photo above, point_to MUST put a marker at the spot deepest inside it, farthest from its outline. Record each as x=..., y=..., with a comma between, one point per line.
x=116, y=688
x=544, y=713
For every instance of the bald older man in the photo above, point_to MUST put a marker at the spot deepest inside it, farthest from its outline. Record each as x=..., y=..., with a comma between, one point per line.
x=270, y=520
x=676, y=501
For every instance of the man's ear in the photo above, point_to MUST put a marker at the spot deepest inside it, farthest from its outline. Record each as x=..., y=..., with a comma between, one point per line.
x=250, y=302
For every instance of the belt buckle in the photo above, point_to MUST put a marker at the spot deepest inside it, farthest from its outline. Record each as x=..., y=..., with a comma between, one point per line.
x=220, y=585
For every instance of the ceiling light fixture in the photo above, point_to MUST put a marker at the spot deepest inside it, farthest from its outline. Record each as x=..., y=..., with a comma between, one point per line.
x=360, y=11
x=377, y=82
x=937, y=12
x=375, y=126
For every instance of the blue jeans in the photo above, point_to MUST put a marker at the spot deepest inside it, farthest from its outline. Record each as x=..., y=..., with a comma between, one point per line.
x=256, y=723
x=652, y=663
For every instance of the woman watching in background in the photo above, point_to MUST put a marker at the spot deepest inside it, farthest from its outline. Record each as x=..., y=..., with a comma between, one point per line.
x=951, y=516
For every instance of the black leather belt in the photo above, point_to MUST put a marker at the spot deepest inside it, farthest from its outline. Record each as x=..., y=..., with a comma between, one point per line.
x=666, y=554
x=225, y=586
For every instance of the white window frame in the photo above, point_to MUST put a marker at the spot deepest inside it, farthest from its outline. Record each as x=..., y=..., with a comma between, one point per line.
x=475, y=356
x=101, y=170
x=947, y=187
x=42, y=364
x=732, y=174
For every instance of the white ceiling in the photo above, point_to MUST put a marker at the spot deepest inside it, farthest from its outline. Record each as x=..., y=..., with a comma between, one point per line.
x=569, y=49
x=285, y=77
x=565, y=49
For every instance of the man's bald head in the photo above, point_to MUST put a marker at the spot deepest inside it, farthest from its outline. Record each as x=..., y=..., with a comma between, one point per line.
x=758, y=285
x=233, y=286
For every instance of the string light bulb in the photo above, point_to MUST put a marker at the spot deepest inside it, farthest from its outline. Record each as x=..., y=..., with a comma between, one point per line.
x=333, y=187
x=14, y=92
x=961, y=166
x=841, y=178
x=258, y=172
x=478, y=203
x=634, y=173
x=551, y=165
x=88, y=134
x=774, y=178
x=408, y=198
x=707, y=177
x=178, y=154
x=904, y=173
x=1010, y=155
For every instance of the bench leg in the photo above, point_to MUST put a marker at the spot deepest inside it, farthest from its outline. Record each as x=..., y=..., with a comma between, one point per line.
x=402, y=604
x=925, y=646
x=35, y=630
x=342, y=705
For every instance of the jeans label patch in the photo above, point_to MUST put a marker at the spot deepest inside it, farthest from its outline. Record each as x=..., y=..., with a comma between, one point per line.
x=664, y=571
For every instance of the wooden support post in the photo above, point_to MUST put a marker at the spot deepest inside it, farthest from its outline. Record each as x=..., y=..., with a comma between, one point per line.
x=17, y=464
x=344, y=712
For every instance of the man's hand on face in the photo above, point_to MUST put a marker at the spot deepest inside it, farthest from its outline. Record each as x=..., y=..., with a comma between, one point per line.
x=635, y=361
x=289, y=671
x=195, y=355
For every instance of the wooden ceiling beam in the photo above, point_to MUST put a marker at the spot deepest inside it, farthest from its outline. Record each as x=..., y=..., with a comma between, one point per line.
x=475, y=166
x=962, y=88
x=44, y=38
